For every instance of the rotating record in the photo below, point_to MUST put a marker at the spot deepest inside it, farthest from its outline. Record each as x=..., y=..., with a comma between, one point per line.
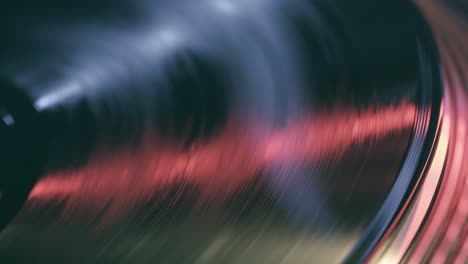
x=286, y=131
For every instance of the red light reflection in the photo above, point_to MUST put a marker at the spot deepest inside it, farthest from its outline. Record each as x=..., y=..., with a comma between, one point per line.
x=218, y=167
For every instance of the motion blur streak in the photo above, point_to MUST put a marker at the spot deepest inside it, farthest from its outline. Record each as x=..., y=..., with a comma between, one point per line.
x=107, y=182
x=247, y=131
x=444, y=238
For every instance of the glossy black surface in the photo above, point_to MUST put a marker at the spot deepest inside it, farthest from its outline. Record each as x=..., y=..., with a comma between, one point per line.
x=233, y=131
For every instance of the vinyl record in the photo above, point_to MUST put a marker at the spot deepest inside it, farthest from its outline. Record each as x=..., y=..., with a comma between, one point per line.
x=222, y=131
